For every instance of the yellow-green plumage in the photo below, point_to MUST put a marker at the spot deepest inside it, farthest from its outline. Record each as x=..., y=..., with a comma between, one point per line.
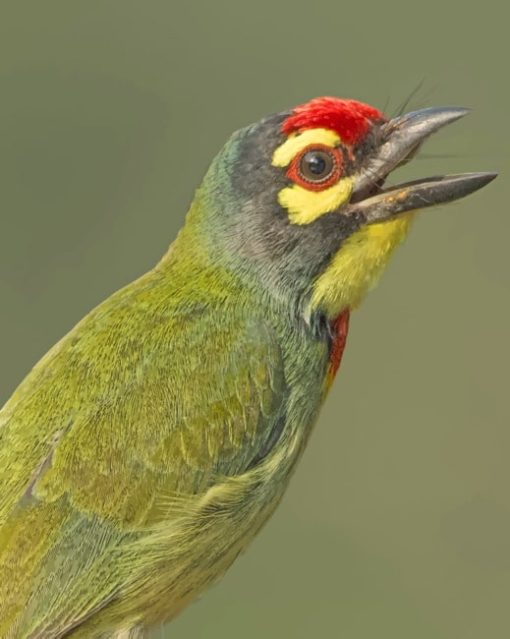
x=136, y=484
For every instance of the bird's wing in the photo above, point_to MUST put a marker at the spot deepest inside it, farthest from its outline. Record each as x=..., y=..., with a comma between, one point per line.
x=111, y=427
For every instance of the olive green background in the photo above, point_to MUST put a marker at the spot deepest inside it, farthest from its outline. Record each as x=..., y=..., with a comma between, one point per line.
x=397, y=523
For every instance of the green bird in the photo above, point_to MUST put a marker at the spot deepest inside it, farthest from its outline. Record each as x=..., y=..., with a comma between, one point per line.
x=147, y=448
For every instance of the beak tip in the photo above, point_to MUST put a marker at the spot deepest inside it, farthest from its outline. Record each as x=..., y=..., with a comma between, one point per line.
x=483, y=178
x=459, y=112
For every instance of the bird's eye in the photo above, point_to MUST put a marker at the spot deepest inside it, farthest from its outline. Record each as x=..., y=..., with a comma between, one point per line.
x=316, y=167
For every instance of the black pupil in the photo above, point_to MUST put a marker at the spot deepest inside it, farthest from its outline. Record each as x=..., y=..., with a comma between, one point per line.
x=316, y=165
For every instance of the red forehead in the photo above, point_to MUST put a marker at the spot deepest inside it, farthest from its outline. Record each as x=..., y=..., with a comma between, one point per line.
x=349, y=118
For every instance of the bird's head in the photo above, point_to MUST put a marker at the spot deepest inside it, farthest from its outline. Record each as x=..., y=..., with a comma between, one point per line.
x=297, y=203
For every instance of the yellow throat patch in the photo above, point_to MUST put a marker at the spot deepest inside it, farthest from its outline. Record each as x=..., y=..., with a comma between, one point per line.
x=357, y=266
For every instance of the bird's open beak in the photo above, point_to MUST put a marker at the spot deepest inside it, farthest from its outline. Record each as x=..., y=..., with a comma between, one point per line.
x=400, y=138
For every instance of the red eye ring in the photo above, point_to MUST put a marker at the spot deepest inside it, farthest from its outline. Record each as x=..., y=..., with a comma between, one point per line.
x=316, y=167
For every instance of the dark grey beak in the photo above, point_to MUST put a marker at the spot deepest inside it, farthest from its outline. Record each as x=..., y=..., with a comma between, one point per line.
x=400, y=138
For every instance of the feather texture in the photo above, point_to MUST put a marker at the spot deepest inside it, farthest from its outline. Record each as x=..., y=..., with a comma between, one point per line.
x=145, y=438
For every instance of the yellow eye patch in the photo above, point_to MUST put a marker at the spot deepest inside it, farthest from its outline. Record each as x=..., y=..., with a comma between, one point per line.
x=286, y=152
x=305, y=206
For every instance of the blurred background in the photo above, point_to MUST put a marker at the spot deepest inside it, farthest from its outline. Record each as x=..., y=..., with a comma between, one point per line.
x=397, y=522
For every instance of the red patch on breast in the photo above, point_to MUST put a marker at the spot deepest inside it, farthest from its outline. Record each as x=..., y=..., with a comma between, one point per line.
x=349, y=118
x=340, y=328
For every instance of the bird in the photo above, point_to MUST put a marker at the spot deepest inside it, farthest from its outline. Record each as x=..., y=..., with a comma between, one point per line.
x=142, y=454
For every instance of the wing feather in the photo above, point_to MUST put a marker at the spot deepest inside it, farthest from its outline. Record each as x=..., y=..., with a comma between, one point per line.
x=132, y=411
